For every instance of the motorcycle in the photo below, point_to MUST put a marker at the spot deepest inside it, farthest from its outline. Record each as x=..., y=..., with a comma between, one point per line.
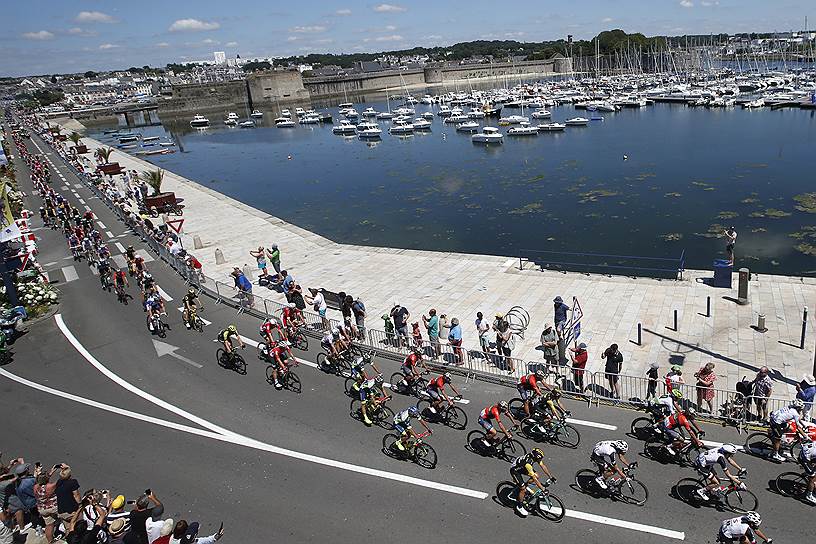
x=9, y=320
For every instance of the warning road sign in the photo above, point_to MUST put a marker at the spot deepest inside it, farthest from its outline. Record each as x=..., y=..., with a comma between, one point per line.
x=175, y=224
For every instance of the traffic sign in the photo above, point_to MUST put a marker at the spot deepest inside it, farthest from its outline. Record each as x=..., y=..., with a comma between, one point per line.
x=577, y=312
x=175, y=224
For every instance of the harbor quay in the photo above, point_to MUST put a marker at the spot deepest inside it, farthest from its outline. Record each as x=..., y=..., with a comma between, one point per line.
x=711, y=326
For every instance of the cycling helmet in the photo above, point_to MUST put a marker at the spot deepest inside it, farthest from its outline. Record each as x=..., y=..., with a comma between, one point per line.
x=621, y=446
x=447, y=377
x=728, y=449
x=359, y=362
x=292, y=305
x=413, y=411
x=537, y=454
x=753, y=518
x=540, y=374
x=676, y=393
x=379, y=379
x=675, y=368
x=147, y=276
x=232, y=328
x=191, y=291
x=798, y=404
x=417, y=350
x=504, y=406
x=691, y=413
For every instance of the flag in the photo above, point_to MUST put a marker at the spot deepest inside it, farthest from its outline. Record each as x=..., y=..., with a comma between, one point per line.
x=10, y=232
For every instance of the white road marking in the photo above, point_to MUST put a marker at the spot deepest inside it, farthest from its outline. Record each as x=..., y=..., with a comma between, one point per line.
x=70, y=273
x=101, y=225
x=87, y=208
x=163, y=293
x=64, y=188
x=668, y=533
x=120, y=261
x=79, y=186
x=119, y=246
x=109, y=234
x=592, y=424
x=79, y=199
x=713, y=444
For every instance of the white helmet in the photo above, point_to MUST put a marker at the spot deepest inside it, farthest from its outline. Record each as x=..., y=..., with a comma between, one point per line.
x=728, y=449
x=797, y=404
x=621, y=446
x=753, y=518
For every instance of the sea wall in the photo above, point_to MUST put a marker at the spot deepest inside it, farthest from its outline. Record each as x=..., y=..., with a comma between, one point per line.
x=265, y=88
x=204, y=96
x=319, y=87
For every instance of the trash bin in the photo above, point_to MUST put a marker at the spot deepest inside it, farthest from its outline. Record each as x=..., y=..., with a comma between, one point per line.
x=722, y=273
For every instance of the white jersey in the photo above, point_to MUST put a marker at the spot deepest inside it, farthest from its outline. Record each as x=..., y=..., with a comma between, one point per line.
x=809, y=451
x=783, y=415
x=327, y=338
x=735, y=528
x=710, y=458
x=668, y=402
x=604, y=449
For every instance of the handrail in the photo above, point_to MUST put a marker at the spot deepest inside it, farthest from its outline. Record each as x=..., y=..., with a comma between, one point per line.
x=638, y=263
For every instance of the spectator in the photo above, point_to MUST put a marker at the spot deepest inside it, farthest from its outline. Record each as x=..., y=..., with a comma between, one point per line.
x=260, y=258
x=318, y=302
x=117, y=511
x=652, y=374
x=359, y=311
x=67, y=492
x=731, y=241
x=400, y=315
x=287, y=281
x=417, y=334
x=47, y=501
x=159, y=531
x=482, y=328
x=674, y=378
x=80, y=531
x=23, y=500
x=614, y=363
x=116, y=529
x=806, y=390
x=560, y=311
x=579, y=357
x=139, y=516
x=705, y=381
x=432, y=328
x=444, y=326
x=549, y=343
x=274, y=258
x=191, y=535
x=242, y=284
x=507, y=345
x=345, y=302
x=763, y=387
x=6, y=534
x=295, y=294
x=455, y=339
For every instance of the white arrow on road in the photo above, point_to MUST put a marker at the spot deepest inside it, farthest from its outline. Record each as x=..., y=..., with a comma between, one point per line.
x=163, y=348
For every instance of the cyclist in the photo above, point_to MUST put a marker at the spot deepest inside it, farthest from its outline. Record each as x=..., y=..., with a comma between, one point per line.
x=130, y=254
x=279, y=354
x=153, y=309
x=267, y=327
x=104, y=252
x=436, y=390
x=494, y=412
x=103, y=267
x=674, y=425
x=327, y=343
x=368, y=392
x=402, y=424
x=741, y=529
x=603, y=455
x=531, y=384
x=781, y=420
x=292, y=318
x=191, y=302
x=139, y=265
x=342, y=339
x=88, y=249
x=120, y=281
x=707, y=462
x=550, y=406
x=226, y=337
x=358, y=373
x=807, y=458
x=523, y=467
x=669, y=401
x=408, y=367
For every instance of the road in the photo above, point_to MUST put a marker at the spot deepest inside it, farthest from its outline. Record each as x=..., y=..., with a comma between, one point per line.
x=88, y=388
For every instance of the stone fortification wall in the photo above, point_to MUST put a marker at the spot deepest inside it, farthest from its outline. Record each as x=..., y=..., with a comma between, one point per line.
x=374, y=81
x=204, y=96
x=265, y=88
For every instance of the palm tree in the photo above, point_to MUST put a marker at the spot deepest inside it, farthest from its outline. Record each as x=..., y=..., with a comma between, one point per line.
x=104, y=153
x=154, y=178
x=75, y=137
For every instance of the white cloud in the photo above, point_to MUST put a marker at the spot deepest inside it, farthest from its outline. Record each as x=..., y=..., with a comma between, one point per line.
x=390, y=38
x=193, y=25
x=687, y=3
x=94, y=17
x=389, y=8
x=76, y=31
x=432, y=37
x=210, y=41
x=607, y=20
x=105, y=46
x=231, y=44
x=390, y=28
x=343, y=12
x=314, y=29
x=39, y=35
x=709, y=3
x=324, y=41
x=162, y=44
x=292, y=39
x=514, y=34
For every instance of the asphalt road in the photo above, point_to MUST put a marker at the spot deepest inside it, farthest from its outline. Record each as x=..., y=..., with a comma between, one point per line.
x=277, y=466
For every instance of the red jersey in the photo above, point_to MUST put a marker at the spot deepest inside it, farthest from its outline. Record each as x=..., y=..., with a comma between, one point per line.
x=288, y=314
x=491, y=412
x=279, y=352
x=529, y=382
x=679, y=420
x=268, y=326
x=411, y=360
x=438, y=383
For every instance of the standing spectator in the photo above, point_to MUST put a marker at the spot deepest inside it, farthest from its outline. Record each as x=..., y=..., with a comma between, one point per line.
x=652, y=374
x=614, y=363
x=763, y=387
x=67, y=492
x=191, y=535
x=549, y=343
x=260, y=258
x=705, y=381
x=674, y=378
x=346, y=302
x=287, y=282
x=401, y=316
x=139, y=516
x=117, y=511
x=579, y=357
x=455, y=339
x=432, y=328
x=47, y=501
x=806, y=390
x=444, y=326
x=731, y=241
x=359, y=311
x=560, y=311
x=242, y=284
x=417, y=334
x=482, y=328
x=159, y=531
x=274, y=258
x=117, y=529
x=23, y=499
x=318, y=302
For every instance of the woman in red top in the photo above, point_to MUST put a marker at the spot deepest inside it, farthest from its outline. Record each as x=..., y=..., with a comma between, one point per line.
x=579, y=357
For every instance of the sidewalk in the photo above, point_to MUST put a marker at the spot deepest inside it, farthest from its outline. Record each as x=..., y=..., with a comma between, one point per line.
x=459, y=285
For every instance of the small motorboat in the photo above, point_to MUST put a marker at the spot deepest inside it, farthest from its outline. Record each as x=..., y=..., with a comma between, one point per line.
x=467, y=126
x=345, y=127
x=577, y=122
x=284, y=122
x=199, y=121
x=256, y=114
x=249, y=123
x=542, y=114
x=552, y=127
x=523, y=129
x=488, y=135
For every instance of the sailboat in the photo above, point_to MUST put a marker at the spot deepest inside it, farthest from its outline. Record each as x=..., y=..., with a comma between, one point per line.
x=386, y=114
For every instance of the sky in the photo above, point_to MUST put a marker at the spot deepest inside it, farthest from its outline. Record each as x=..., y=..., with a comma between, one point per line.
x=63, y=36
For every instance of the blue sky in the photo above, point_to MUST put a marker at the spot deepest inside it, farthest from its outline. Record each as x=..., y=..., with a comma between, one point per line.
x=45, y=36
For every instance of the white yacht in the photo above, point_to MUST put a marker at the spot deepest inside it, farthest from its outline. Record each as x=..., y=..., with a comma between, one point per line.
x=351, y=113
x=542, y=114
x=552, y=127
x=385, y=115
x=577, y=122
x=286, y=113
x=284, y=122
x=402, y=128
x=369, y=112
x=300, y=111
x=249, y=123
x=405, y=111
x=467, y=126
x=310, y=119
x=368, y=131
x=456, y=119
x=199, y=121
x=421, y=124
x=257, y=114
x=488, y=135
x=514, y=120
x=523, y=129
x=428, y=115
x=345, y=105
x=758, y=103
x=444, y=111
x=345, y=127
x=476, y=114
x=606, y=107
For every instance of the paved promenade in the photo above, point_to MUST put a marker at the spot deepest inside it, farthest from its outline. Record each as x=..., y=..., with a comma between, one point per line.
x=459, y=285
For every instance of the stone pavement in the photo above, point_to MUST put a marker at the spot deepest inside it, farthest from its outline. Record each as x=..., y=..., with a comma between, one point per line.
x=459, y=285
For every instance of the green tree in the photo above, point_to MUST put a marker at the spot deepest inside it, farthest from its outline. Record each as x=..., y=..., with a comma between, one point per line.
x=75, y=137
x=90, y=74
x=104, y=153
x=154, y=178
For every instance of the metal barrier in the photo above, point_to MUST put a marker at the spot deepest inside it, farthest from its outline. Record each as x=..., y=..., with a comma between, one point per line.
x=626, y=265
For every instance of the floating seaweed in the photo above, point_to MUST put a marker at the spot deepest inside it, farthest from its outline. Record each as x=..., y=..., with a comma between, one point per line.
x=673, y=195
x=770, y=213
x=760, y=229
x=595, y=194
x=532, y=207
x=714, y=231
x=806, y=202
x=749, y=200
x=807, y=249
x=672, y=236
x=700, y=184
x=727, y=215
x=710, y=189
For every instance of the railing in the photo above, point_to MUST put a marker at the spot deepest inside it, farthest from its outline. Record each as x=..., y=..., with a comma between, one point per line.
x=727, y=407
x=623, y=265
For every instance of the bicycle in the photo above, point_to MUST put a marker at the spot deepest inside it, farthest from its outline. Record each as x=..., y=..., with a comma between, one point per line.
x=759, y=444
x=542, y=503
x=556, y=431
x=414, y=386
x=644, y=428
x=105, y=280
x=449, y=414
x=501, y=447
x=196, y=323
x=231, y=361
x=376, y=409
x=121, y=295
x=736, y=497
x=629, y=490
x=416, y=450
x=793, y=484
x=298, y=339
x=339, y=365
x=76, y=253
x=158, y=326
x=657, y=449
x=288, y=379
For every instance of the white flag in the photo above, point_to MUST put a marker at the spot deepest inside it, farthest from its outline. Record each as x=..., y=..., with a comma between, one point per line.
x=10, y=232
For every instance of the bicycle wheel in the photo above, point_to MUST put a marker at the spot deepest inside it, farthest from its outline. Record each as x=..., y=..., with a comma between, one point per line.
x=160, y=328
x=239, y=363
x=383, y=417
x=475, y=441
x=343, y=367
x=456, y=418
x=550, y=507
x=424, y=407
x=585, y=480
x=511, y=448
x=568, y=436
x=794, y=450
x=418, y=386
x=300, y=341
x=291, y=381
x=356, y=410
x=741, y=501
x=350, y=390
x=323, y=363
x=221, y=358
x=425, y=456
x=507, y=494
x=641, y=428
x=262, y=351
x=689, y=455
x=634, y=492
x=199, y=324
x=270, y=379
x=389, y=447
x=792, y=484
x=396, y=384
x=517, y=407
x=758, y=444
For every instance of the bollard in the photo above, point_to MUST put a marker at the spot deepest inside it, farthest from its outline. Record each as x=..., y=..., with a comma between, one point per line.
x=708, y=306
x=804, y=329
x=248, y=272
x=219, y=257
x=640, y=335
x=675, y=321
x=742, y=288
x=760, y=326
x=197, y=242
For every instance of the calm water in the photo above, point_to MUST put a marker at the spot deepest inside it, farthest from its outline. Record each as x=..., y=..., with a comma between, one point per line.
x=690, y=172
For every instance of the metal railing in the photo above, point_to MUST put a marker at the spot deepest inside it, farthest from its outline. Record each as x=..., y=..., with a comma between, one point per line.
x=623, y=265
